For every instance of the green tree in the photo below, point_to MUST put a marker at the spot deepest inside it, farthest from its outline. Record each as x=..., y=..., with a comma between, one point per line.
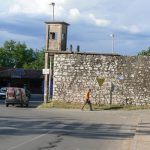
x=14, y=54
x=4, y=58
x=145, y=52
x=21, y=55
x=5, y=54
x=38, y=62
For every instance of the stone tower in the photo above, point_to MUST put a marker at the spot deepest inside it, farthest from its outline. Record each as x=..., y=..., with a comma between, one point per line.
x=56, y=36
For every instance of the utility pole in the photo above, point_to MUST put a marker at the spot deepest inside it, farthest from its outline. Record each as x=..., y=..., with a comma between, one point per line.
x=48, y=58
x=46, y=80
x=113, y=41
x=53, y=5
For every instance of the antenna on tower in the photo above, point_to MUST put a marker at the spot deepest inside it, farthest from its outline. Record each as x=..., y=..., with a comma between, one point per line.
x=53, y=5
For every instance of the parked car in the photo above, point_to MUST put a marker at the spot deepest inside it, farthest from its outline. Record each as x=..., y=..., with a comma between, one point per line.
x=15, y=95
x=3, y=92
x=28, y=94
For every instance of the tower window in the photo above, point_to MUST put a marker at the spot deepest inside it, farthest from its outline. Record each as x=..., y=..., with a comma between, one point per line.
x=53, y=35
x=63, y=36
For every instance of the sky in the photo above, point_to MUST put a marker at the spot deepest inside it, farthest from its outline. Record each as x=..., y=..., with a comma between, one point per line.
x=91, y=23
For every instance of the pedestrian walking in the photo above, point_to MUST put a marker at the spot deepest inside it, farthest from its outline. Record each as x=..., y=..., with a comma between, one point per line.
x=87, y=100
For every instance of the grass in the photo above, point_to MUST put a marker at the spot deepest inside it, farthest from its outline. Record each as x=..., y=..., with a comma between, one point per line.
x=69, y=105
x=133, y=107
x=59, y=104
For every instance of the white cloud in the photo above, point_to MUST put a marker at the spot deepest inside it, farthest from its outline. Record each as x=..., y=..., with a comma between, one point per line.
x=132, y=29
x=34, y=7
x=74, y=14
x=99, y=22
x=27, y=7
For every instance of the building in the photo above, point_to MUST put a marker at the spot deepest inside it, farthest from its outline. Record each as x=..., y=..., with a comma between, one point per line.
x=56, y=42
x=126, y=79
x=56, y=36
x=18, y=77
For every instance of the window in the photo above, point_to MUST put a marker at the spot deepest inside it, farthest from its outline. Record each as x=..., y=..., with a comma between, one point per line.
x=63, y=36
x=53, y=35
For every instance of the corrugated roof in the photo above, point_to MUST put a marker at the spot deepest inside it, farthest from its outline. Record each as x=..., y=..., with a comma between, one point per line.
x=21, y=73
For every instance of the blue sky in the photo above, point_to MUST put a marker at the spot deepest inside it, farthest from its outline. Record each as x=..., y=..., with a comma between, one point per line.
x=91, y=23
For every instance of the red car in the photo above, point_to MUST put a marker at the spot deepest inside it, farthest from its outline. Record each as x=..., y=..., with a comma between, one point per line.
x=16, y=95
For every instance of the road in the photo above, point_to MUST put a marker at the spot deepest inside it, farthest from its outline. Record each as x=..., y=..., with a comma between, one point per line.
x=58, y=129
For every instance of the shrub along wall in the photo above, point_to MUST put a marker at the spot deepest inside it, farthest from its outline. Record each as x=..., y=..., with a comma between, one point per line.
x=127, y=79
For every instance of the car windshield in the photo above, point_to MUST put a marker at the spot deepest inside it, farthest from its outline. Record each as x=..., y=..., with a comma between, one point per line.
x=3, y=89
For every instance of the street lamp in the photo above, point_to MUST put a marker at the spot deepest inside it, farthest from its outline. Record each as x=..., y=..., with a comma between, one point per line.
x=113, y=39
x=53, y=5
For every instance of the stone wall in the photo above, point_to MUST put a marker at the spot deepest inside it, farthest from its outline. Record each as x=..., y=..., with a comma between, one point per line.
x=127, y=79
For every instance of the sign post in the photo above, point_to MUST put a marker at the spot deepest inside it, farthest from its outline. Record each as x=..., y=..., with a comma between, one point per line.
x=120, y=78
x=100, y=83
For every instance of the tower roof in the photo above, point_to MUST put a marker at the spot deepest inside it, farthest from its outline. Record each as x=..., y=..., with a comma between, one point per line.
x=65, y=23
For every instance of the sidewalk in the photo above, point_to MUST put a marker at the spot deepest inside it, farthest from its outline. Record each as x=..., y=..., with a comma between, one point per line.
x=141, y=139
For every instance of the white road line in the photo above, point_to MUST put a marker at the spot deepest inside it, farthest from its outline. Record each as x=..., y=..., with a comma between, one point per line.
x=33, y=139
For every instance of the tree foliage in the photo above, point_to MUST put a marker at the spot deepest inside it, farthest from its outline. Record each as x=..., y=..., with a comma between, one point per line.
x=38, y=62
x=145, y=52
x=16, y=54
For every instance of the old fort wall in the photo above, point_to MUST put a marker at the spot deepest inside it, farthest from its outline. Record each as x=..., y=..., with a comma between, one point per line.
x=127, y=78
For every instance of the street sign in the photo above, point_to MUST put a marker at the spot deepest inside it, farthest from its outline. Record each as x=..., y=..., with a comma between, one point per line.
x=100, y=81
x=120, y=77
x=45, y=71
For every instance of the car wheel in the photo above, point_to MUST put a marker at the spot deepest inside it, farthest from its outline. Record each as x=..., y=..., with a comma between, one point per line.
x=7, y=105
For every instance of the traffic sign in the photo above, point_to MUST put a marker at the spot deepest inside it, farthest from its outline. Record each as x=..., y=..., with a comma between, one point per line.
x=100, y=81
x=45, y=71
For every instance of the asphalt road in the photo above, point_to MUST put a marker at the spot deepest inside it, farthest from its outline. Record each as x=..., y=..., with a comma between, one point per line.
x=58, y=129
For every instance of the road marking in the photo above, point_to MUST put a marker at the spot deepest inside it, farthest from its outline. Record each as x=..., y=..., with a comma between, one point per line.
x=33, y=139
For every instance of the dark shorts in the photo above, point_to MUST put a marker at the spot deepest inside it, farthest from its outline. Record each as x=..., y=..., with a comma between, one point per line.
x=87, y=101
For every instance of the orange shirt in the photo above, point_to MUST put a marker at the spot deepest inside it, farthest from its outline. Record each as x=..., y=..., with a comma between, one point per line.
x=87, y=96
